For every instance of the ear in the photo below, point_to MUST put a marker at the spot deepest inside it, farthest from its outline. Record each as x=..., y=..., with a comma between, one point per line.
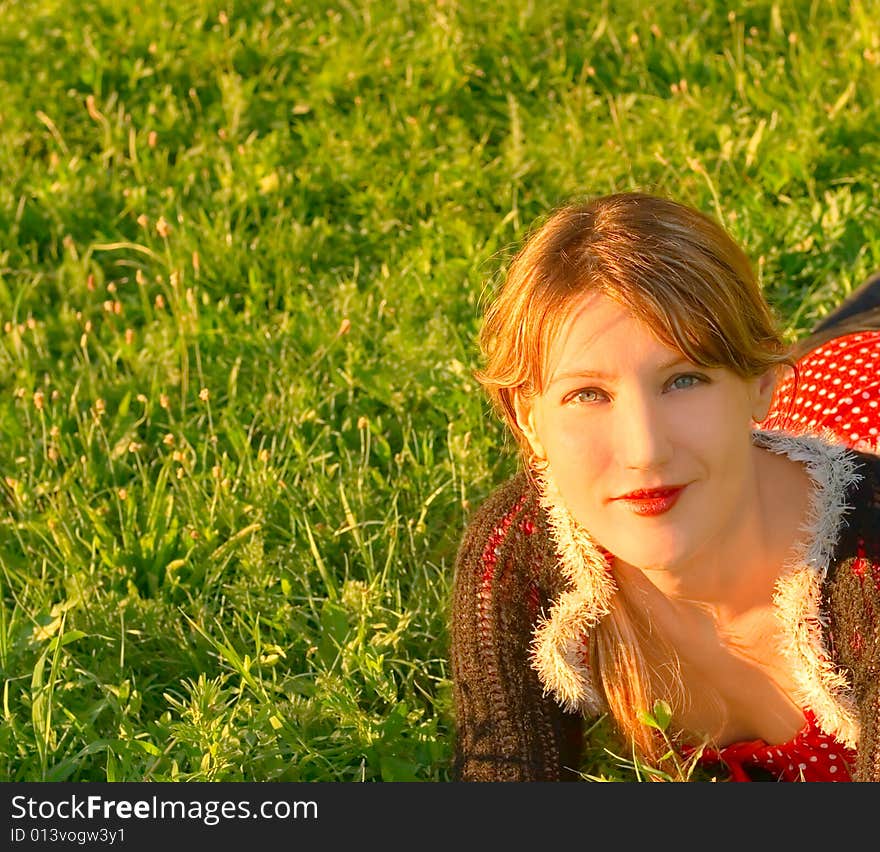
x=525, y=418
x=763, y=393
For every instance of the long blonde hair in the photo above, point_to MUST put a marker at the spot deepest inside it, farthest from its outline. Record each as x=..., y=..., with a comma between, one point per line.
x=682, y=274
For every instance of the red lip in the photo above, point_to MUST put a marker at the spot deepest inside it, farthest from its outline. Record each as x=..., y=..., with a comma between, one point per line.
x=649, y=493
x=651, y=501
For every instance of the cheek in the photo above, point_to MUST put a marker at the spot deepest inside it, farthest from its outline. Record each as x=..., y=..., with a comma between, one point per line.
x=725, y=421
x=581, y=456
x=573, y=439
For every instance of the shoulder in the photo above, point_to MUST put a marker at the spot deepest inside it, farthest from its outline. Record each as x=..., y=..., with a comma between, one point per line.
x=510, y=515
x=506, y=497
x=503, y=497
x=507, y=537
x=514, y=501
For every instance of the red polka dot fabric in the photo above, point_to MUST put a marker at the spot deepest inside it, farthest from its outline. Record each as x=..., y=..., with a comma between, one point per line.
x=835, y=392
x=836, y=387
x=812, y=755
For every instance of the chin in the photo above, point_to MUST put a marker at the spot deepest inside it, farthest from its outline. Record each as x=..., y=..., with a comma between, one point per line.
x=650, y=551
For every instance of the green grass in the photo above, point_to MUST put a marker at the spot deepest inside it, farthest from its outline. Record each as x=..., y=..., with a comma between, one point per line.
x=244, y=247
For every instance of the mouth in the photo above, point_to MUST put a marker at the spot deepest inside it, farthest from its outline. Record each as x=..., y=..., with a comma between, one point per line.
x=651, y=501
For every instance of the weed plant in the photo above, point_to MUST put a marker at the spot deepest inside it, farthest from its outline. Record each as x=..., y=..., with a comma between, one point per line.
x=244, y=248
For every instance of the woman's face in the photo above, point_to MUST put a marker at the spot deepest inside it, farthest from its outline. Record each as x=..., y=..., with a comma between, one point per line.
x=652, y=454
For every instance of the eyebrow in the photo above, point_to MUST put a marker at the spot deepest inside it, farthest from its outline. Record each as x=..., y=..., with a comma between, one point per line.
x=597, y=374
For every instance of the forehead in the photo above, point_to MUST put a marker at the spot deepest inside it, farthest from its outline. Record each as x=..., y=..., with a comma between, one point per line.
x=600, y=333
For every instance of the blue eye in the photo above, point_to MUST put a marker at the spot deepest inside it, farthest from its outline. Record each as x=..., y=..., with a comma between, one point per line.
x=688, y=380
x=587, y=395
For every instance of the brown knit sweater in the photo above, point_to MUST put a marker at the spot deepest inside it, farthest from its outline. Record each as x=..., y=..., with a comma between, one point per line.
x=508, y=575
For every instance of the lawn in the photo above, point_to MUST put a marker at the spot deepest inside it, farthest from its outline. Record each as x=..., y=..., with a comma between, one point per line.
x=244, y=249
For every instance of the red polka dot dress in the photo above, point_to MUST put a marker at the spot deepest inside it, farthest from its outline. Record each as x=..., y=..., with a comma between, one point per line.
x=835, y=393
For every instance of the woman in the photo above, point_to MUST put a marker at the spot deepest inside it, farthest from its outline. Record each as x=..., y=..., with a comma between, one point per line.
x=697, y=521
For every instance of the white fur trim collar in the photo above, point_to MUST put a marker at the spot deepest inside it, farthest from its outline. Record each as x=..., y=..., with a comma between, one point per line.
x=798, y=596
x=559, y=650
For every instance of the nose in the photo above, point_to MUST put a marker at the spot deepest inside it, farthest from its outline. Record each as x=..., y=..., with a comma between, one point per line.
x=643, y=433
